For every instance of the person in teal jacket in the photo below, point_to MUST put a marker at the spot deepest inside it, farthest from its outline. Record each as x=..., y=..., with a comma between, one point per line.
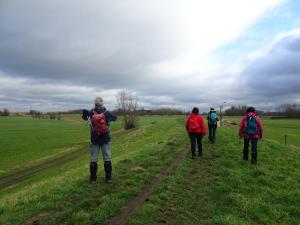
x=212, y=120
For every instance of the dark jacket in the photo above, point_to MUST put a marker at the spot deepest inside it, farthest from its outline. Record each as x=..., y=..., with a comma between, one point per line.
x=103, y=139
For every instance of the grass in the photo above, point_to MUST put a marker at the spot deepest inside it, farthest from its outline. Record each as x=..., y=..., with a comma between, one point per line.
x=221, y=188
x=63, y=195
x=25, y=141
x=276, y=130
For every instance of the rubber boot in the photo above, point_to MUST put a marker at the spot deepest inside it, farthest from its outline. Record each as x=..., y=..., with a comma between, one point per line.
x=108, y=171
x=93, y=172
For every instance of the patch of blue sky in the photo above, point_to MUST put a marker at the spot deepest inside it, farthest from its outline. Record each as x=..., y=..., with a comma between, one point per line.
x=281, y=19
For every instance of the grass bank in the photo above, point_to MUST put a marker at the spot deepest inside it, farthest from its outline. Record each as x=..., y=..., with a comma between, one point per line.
x=221, y=188
x=64, y=196
x=26, y=142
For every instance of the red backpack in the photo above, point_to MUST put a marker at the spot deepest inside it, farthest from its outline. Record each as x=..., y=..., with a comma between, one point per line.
x=99, y=124
x=194, y=123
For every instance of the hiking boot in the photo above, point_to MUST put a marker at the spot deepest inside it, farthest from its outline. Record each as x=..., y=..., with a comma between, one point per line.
x=200, y=154
x=93, y=172
x=109, y=181
x=254, y=158
x=193, y=156
x=253, y=161
x=108, y=171
x=246, y=153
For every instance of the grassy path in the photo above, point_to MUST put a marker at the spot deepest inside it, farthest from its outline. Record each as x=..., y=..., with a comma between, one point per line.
x=218, y=188
x=221, y=188
x=63, y=195
x=30, y=172
x=56, y=161
x=136, y=202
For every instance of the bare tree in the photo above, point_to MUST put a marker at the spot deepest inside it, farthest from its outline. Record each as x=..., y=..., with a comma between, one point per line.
x=128, y=103
x=5, y=112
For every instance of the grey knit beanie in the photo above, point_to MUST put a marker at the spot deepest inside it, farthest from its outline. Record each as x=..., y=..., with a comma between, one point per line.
x=98, y=101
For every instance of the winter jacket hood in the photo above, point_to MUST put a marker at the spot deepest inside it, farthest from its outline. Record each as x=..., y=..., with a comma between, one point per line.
x=99, y=109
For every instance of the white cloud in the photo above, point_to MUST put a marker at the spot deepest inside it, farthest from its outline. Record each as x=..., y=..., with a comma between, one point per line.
x=71, y=51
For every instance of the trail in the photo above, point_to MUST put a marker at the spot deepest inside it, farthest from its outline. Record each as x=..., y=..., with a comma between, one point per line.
x=136, y=202
x=37, y=169
x=27, y=173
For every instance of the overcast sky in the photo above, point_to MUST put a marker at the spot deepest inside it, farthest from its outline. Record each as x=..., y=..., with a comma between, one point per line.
x=58, y=55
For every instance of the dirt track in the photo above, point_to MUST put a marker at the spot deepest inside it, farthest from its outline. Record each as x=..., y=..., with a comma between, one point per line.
x=16, y=177
x=35, y=170
x=136, y=202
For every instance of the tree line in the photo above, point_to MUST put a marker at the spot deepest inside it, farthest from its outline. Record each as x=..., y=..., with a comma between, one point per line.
x=286, y=110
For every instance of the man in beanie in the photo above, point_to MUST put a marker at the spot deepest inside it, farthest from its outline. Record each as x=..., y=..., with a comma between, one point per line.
x=99, y=119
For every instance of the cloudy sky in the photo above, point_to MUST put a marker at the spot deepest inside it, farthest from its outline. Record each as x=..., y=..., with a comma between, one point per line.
x=58, y=55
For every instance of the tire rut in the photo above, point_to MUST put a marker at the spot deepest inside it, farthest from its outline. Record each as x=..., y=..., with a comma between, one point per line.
x=35, y=170
x=22, y=175
x=136, y=202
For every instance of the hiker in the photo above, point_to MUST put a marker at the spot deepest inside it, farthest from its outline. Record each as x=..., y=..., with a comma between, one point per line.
x=212, y=121
x=195, y=127
x=99, y=119
x=251, y=129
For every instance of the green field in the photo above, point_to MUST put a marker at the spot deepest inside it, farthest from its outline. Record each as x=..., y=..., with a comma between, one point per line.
x=276, y=130
x=25, y=141
x=218, y=188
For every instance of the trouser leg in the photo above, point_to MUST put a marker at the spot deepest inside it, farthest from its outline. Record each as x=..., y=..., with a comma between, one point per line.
x=94, y=150
x=214, y=132
x=210, y=132
x=193, y=144
x=199, y=143
x=106, y=152
x=254, y=150
x=246, y=148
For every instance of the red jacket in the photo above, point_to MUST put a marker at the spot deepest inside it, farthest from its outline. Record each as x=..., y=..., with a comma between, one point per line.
x=242, y=131
x=201, y=129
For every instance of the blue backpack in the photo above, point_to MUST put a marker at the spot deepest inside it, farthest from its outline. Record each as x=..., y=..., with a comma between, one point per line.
x=251, y=125
x=213, y=117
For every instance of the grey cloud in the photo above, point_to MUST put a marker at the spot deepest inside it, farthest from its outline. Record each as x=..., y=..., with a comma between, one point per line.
x=276, y=75
x=106, y=45
x=96, y=42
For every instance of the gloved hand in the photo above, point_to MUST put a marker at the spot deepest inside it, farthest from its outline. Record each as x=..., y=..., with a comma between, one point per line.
x=85, y=114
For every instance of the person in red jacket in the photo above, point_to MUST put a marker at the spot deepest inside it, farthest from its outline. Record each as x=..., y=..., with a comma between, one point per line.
x=251, y=129
x=196, y=129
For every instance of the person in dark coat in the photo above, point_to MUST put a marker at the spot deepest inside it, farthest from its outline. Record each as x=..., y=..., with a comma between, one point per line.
x=99, y=119
x=212, y=120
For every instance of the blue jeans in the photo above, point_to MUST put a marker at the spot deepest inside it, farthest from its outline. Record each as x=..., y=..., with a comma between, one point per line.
x=106, y=152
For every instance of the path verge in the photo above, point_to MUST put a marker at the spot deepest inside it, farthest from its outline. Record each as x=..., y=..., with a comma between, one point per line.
x=136, y=202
